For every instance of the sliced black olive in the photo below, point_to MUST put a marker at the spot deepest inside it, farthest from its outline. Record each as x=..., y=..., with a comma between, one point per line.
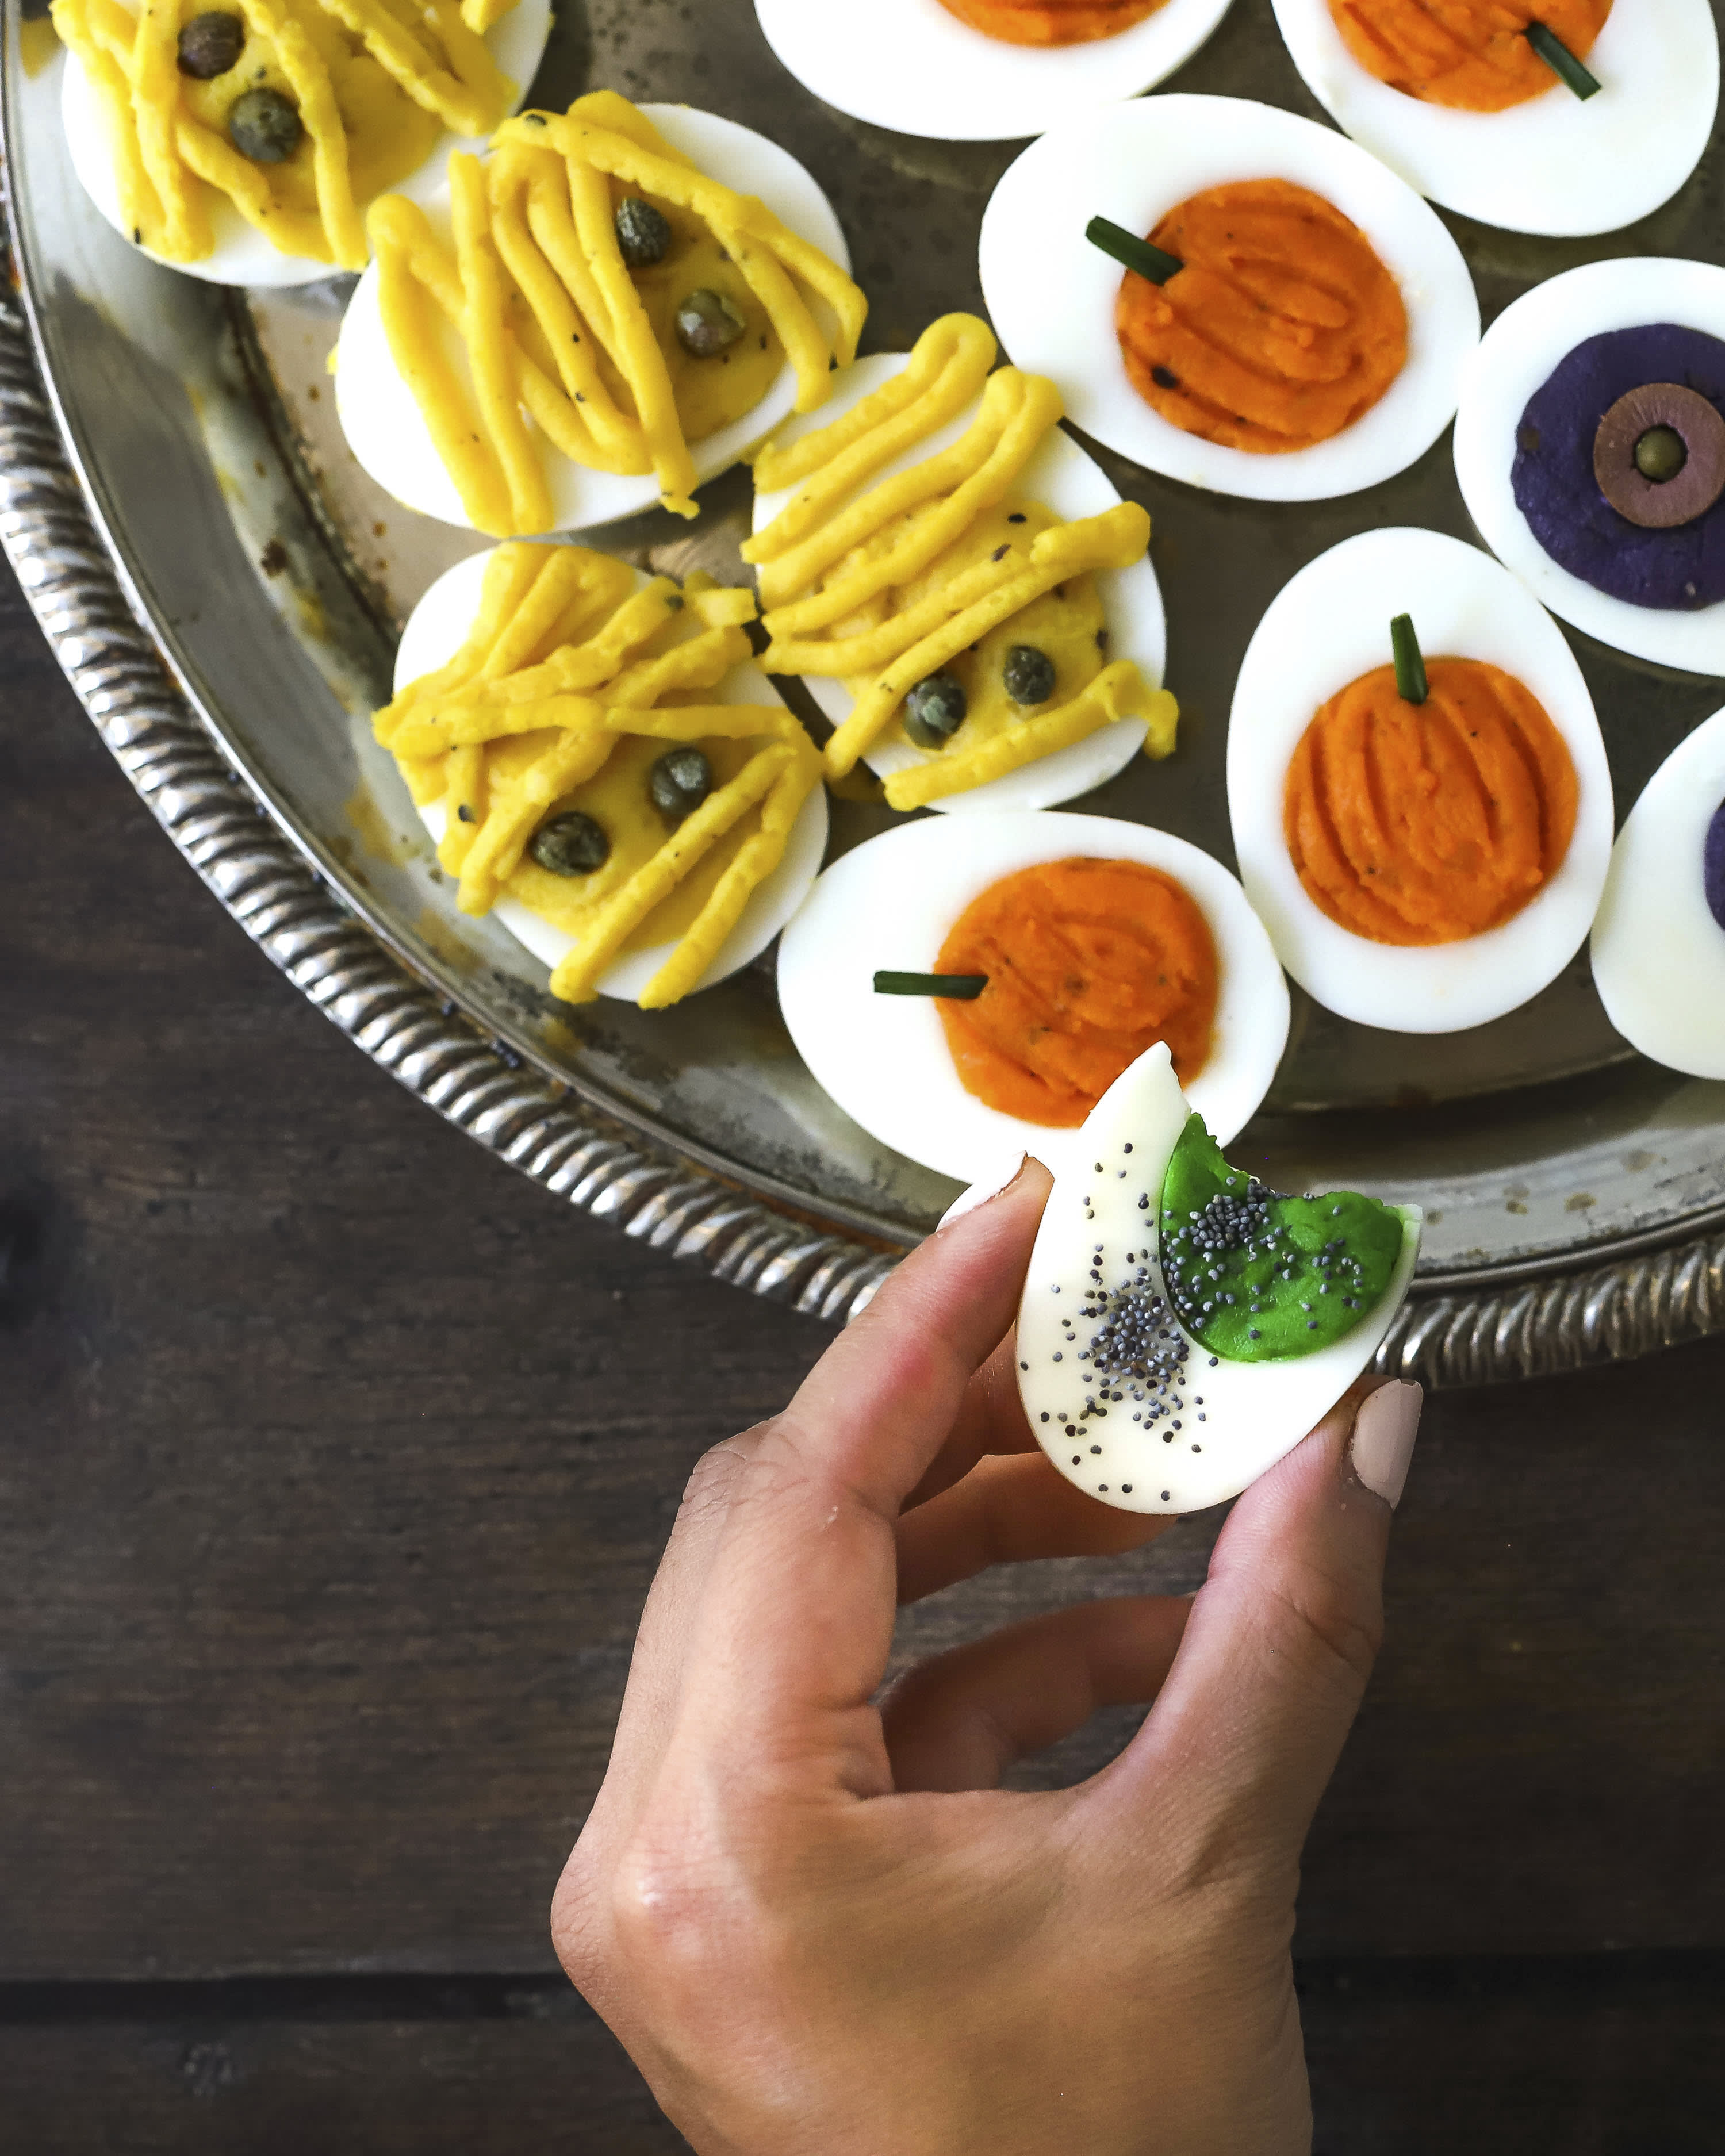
x=264, y=127
x=642, y=233
x=211, y=44
x=935, y=709
x=1659, y=456
x=570, y=844
x=1028, y=675
x=707, y=323
x=1661, y=453
x=679, y=782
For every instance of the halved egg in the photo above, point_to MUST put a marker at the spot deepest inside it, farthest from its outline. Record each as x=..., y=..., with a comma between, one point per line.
x=1659, y=939
x=1317, y=345
x=242, y=255
x=1074, y=975
x=981, y=70
x=1548, y=161
x=1063, y=479
x=1450, y=853
x=1532, y=437
x=388, y=432
x=435, y=631
x=1162, y=1337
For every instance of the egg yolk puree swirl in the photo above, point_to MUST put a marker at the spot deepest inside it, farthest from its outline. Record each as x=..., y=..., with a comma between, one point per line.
x=1050, y=21
x=1089, y=962
x=1429, y=822
x=1281, y=328
x=1471, y=54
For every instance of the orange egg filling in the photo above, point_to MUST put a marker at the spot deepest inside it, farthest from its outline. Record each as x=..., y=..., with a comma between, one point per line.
x=1281, y=329
x=1050, y=21
x=1427, y=823
x=1089, y=962
x=1471, y=54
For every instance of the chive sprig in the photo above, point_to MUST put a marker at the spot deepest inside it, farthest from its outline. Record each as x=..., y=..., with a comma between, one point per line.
x=1410, y=684
x=955, y=988
x=1561, y=62
x=1131, y=251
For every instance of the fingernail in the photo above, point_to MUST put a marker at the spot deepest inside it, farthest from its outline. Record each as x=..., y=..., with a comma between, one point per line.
x=1384, y=1434
x=980, y=1193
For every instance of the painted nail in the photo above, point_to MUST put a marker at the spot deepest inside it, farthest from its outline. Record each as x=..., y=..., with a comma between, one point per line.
x=1384, y=1434
x=980, y=1193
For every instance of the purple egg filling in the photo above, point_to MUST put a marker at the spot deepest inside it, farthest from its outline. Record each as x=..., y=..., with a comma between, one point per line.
x=1712, y=865
x=1552, y=475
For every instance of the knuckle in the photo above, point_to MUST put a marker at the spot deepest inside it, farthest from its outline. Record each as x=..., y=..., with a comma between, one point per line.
x=1339, y=1631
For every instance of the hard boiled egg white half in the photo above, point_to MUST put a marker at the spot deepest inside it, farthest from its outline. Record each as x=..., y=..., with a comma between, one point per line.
x=1073, y=485
x=1559, y=164
x=1125, y=1402
x=1658, y=941
x=914, y=66
x=890, y=904
x=1051, y=295
x=1517, y=355
x=242, y=255
x=435, y=631
x=387, y=434
x=1329, y=625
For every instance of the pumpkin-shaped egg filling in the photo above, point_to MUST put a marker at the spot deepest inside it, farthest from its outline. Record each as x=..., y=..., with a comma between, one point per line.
x=1471, y=55
x=1276, y=326
x=1050, y=21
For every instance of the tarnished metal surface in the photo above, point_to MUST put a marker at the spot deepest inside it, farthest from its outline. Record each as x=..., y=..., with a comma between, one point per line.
x=223, y=585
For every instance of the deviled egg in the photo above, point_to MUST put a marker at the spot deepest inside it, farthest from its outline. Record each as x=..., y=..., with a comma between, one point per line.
x=1073, y=942
x=1307, y=333
x=1182, y=1325
x=1420, y=865
x=266, y=120
x=1464, y=107
x=620, y=831
x=981, y=70
x=1659, y=939
x=1590, y=451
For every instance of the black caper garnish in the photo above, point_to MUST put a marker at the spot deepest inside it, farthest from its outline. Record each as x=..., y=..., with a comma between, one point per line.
x=642, y=233
x=679, y=782
x=707, y=323
x=570, y=844
x=1660, y=455
x=264, y=127
x=210, y=44
x=1028, y=675
x=934, y=709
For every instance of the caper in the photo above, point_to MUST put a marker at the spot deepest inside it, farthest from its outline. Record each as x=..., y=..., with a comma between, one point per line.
x=211, y=44
x=642, y=233
x=1028, y=675
x=570, y=844
x=264, y=127
x=1661, y=453
x=707, y=322
x=934, y=709
x=679, y=782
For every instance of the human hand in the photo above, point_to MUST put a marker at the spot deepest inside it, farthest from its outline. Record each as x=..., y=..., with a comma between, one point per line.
x=818, y=1924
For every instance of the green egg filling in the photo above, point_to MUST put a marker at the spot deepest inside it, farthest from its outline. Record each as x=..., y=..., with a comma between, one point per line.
x=1259, y=1276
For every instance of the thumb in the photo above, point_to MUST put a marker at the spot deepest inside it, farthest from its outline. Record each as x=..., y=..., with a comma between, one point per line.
x=1248, y=1728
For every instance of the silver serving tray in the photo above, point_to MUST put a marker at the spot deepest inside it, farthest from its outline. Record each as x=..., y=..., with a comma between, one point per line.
x=223, y=587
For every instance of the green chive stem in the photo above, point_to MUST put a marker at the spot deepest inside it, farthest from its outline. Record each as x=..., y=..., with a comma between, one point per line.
x=1561, y=62
x=1132, y=252
x=1411, y=685
x=953, y=988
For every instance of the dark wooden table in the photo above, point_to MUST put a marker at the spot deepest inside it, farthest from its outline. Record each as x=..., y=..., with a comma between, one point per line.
x=334, y=1463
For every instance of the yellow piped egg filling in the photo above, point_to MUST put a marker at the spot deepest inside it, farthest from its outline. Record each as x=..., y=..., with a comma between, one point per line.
x=571, y=689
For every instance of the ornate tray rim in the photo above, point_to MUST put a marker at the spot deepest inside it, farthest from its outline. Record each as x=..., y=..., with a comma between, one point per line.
x=1521, y=1321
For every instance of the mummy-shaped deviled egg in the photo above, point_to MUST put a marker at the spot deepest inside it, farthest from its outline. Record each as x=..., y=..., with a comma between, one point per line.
x=981, y=70
x=1295, y=328
x=1468, y=109
x=666, y=250
x=605, y=769
x=1590, y=451
x=243, y=146
x=1181, y=1326
x=962, y=587
x=1421, y=866
x=1076, y=941
x=1659, y=940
